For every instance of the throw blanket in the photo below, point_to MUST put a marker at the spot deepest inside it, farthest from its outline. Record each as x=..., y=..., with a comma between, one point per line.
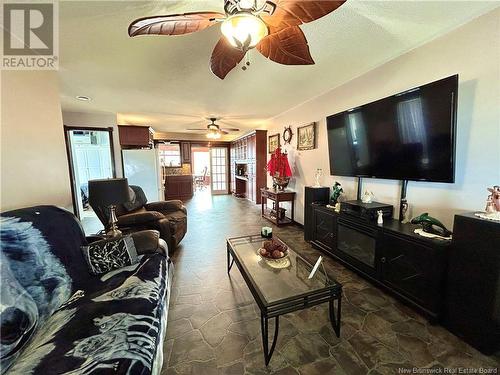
x=63, y=320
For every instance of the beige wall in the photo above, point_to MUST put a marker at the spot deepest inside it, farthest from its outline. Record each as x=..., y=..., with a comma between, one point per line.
x=34, y=167
x=98, y=120
x=473, y=52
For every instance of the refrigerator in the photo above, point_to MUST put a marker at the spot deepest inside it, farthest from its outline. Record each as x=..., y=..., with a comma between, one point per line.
x=142, y=168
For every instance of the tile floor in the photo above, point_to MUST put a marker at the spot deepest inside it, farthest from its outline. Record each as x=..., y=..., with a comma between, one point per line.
x=214, y=323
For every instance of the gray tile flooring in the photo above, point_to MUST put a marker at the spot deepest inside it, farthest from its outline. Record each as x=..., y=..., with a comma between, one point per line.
x=214, y=323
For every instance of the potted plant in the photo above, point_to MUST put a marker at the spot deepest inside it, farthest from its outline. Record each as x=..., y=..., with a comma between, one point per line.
x=279, y=169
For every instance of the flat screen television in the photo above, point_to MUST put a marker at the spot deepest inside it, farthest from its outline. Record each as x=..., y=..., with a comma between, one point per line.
x=407, y=136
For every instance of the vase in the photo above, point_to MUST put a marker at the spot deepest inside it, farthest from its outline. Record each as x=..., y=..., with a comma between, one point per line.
x=281, y=182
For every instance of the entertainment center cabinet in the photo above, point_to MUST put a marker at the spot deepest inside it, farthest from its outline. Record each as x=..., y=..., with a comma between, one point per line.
x=390, y=255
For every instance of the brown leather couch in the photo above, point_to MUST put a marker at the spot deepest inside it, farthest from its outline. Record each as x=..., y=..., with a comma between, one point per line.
x=167, y=217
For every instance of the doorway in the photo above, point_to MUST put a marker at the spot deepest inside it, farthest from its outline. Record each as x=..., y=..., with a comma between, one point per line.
x=201, y=170
x=219, y=170
x=91, y=156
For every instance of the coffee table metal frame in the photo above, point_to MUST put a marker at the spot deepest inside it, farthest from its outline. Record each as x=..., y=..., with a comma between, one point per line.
x=329, y=293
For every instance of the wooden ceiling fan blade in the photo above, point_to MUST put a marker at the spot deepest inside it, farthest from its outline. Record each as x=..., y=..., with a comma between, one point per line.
x=174, y=24
x=231, y=129
x=296, y=12
x=288, y=47
x=224, y=58
x=228, y=126
x=223, y=131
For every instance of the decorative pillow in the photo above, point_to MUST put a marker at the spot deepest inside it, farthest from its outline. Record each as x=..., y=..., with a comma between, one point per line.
x=135, y=201
x=110, y=254
x=18, y=316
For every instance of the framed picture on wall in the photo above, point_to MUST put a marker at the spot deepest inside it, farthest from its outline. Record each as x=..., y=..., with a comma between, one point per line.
x=273, y=143
x=306, y=137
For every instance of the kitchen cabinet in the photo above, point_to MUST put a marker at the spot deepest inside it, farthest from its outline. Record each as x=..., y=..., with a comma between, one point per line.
x=132, y=136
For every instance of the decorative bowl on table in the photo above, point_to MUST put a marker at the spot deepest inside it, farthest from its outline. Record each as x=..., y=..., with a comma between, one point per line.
x=273, y=250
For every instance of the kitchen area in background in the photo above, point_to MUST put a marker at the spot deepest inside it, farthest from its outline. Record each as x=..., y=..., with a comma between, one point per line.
x=173, y=169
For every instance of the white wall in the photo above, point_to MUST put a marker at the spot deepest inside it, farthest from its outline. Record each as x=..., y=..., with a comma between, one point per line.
x=98, y=120
x=473, y=52
x=34, y=167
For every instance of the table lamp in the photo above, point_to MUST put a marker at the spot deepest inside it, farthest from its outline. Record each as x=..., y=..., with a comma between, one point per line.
x=108, y=193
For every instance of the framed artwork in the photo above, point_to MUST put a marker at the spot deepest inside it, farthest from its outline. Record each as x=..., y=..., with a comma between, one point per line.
x=273, y=143
x=306, y=137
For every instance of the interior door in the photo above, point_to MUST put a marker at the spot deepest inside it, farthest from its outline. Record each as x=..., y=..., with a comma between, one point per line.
x=218, y=170
x=91, y=156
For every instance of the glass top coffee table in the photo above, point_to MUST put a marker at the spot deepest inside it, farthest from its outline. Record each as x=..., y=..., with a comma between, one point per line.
x=281, y=287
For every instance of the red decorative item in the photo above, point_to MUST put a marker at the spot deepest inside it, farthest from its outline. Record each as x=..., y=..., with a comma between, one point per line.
x=279, y=169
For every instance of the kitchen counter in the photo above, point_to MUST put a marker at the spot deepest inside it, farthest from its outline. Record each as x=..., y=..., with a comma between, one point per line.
x=179, y=187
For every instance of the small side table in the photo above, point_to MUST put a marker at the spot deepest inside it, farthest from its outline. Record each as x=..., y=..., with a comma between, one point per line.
x=277, y=196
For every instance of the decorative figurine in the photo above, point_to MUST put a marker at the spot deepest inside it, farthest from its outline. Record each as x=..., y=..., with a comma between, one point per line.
x=317, y=177
x=336, y=192
x=380, y=217
x=367, y=197
x=431, y=225
x=279, y=169
x=493, y=201
x=405, y=209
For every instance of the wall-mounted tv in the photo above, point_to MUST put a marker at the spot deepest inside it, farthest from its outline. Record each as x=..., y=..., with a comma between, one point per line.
x=407, y=136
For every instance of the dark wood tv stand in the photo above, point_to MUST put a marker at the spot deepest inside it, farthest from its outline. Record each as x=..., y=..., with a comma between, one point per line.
x=391, y=255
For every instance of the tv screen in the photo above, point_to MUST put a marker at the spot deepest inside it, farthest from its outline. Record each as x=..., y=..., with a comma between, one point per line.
x=407, y=136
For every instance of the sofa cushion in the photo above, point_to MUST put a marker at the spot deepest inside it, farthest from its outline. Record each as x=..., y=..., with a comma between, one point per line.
x=18, y=316
x=110, y=254
x=113, y=329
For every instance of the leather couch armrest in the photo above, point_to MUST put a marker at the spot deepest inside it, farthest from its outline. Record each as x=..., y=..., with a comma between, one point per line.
x=138, y=218
x=166, y=206
x=148, y=242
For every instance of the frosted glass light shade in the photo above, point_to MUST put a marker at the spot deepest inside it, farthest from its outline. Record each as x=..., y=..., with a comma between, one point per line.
x=239, y=27
x=213, y=134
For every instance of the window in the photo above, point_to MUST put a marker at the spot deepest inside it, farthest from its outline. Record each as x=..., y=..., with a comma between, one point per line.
x=170, y=154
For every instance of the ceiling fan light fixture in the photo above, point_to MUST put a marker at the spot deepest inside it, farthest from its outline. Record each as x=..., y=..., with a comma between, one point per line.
x=213, y=134
x=243, y=28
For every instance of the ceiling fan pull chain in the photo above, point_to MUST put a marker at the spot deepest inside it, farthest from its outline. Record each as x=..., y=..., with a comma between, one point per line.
x=247, y=61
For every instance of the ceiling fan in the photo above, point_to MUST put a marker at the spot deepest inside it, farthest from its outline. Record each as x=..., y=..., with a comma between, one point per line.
x=272, y=28
x=214, y=131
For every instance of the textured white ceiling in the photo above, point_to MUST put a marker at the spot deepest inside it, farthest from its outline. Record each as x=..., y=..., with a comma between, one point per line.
x=165, y=81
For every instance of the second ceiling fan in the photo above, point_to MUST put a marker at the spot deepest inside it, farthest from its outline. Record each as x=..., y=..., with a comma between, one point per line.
x=272, y=28
x=214, y=131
